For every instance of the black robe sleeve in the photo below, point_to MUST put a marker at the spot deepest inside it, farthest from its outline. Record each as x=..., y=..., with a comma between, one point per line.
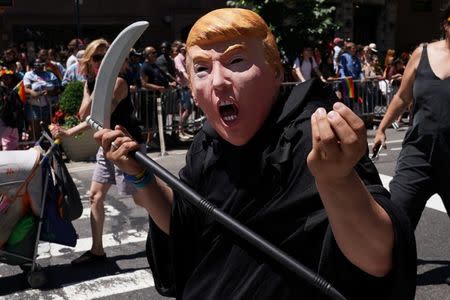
x=352, y=282
x=160, y=246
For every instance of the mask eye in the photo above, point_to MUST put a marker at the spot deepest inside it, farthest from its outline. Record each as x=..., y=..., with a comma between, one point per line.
x=200, y=70
x=236, y=60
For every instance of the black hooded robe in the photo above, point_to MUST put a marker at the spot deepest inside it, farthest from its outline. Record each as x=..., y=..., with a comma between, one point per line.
x=267, y=186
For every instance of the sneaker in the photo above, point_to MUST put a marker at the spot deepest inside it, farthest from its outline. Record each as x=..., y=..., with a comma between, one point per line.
x=183, y=138
x=188, y=135
x=200, y=120
x=88, y=257
x=395, y=125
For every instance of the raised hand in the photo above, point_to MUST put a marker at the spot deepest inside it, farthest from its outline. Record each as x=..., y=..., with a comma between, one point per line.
x=338, y=143
x=117, y=144
x=57, y=131
x=379, y=140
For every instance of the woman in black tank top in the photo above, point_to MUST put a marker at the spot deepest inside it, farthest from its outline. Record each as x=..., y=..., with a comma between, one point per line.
x=423, y=166
x=105, y=173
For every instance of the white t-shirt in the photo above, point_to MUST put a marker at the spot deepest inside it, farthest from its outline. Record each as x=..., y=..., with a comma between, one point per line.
x=337, y=50
x=71, y=60
x=306, y=67
x=39, y=81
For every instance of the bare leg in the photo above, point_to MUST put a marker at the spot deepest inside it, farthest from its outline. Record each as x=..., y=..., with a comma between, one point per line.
x=184, y=115
x=97, y=198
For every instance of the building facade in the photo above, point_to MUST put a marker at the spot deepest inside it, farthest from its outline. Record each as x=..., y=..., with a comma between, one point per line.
x=397, y=24
x=52, y=22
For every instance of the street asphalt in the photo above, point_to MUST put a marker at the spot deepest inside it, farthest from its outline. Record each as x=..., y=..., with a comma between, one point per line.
x=126, y=273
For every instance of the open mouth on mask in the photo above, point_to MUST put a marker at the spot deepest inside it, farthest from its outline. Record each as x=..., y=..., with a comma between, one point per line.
x=228, y=112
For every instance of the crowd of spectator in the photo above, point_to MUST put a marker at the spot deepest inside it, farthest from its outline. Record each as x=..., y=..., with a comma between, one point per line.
x=342, y=59
x=39, y=79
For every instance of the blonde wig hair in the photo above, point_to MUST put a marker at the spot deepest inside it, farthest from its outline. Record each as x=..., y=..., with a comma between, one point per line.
x=227, y=23
x=85, y=66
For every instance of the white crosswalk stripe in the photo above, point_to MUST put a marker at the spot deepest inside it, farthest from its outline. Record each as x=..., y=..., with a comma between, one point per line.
x=91, y=289
x=123, y=282
x=47, y=250
x=110, y=211
x=51, y=250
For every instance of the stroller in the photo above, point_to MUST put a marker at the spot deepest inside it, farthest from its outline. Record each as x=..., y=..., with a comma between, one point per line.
x=38, y=201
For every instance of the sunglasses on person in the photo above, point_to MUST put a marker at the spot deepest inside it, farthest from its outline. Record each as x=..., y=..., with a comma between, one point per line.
x=97, y=57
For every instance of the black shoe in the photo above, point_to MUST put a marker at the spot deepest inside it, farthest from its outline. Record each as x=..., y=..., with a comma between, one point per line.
x=89, y=257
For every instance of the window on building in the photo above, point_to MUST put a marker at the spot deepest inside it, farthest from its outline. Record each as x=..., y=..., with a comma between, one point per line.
x=421, y=5
x=6, y=3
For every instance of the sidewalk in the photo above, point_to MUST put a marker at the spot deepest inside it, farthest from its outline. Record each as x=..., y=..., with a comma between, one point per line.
x=174, y=156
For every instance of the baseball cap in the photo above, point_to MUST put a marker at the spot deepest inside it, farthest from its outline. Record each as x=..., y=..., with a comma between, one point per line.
x=373, y=47
x=337, y=40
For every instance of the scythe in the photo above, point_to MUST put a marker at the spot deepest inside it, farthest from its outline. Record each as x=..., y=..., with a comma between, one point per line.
x=100, y=118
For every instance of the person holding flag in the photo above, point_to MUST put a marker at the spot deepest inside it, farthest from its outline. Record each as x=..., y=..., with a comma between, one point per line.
x=20, y=90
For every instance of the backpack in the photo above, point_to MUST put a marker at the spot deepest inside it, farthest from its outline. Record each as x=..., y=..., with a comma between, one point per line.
x=11, y=108
x=68, y=200
x=310, y=61
x=294, y=74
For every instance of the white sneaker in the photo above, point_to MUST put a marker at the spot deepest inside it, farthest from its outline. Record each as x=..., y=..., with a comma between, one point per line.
x=184, y=136
x=200, y=120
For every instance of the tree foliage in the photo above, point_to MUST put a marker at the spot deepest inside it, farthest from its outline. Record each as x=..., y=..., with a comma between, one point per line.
x=70, y=104
x=71, y=98
x=295, y=23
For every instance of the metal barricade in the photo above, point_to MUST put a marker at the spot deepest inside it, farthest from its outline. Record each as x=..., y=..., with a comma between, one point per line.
x=146, y=111
x=370, y=98
x=35, y=117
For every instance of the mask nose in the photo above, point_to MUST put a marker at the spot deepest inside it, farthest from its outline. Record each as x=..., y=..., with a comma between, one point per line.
x=220, y=78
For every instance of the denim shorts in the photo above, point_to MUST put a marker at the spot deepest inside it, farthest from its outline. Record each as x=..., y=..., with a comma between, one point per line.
x=185, y=98
x=106, y=172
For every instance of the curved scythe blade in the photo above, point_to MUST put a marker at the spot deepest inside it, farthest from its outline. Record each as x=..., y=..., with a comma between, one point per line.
x=107, y=74
x=100, y=116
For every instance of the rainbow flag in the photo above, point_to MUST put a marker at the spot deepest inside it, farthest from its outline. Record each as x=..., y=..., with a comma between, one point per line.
x=20, y=90
x=51, y=67
x=349, y=87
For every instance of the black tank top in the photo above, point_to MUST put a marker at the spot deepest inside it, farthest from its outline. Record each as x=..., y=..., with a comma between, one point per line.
x=123, y=114
x=431, y=99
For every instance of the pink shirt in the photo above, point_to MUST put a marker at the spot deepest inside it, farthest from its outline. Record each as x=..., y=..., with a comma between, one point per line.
x=180, y=66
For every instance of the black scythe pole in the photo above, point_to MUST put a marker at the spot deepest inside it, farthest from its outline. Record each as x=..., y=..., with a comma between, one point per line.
x=239, y=229
x=189, y=194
